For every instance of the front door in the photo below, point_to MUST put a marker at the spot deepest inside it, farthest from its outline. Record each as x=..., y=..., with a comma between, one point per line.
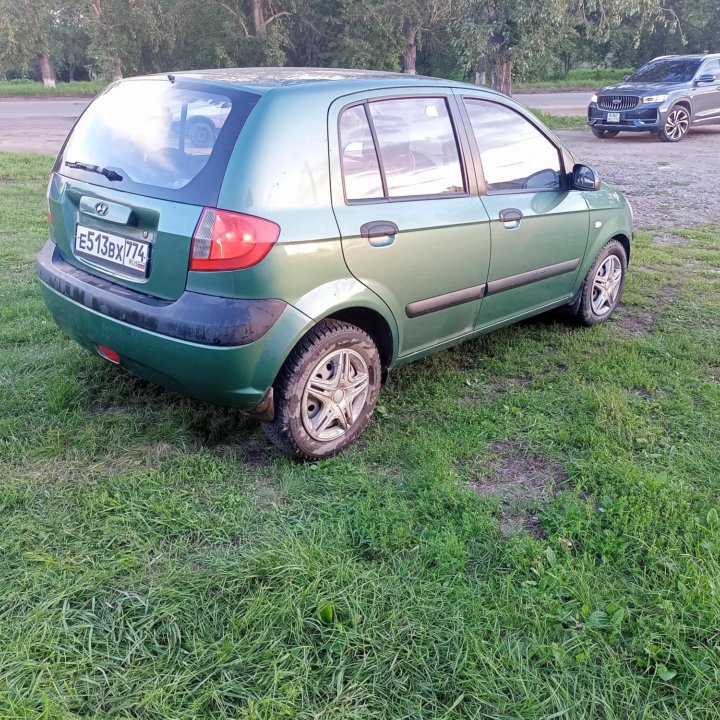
x=411, y=229
x=706, y=101
x=539, y=228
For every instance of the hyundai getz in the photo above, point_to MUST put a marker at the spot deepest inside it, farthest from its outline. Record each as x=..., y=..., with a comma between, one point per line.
x=278, y=239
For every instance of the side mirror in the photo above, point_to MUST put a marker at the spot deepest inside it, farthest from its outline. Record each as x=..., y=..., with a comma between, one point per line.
x=626, y=78
x=584, y=178
x=707, y=78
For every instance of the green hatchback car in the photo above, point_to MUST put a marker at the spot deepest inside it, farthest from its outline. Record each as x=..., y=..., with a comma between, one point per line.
x=278, y=239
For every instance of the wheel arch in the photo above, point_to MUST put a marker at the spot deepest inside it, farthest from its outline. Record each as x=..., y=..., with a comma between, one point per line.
x=624, y=240
x=374, y=324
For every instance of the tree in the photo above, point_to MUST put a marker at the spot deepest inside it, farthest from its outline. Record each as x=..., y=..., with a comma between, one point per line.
x=29, y=29
x=499, y=33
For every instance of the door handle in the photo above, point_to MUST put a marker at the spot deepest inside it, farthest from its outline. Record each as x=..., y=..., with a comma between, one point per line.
x=511, y=218
x=379, y=233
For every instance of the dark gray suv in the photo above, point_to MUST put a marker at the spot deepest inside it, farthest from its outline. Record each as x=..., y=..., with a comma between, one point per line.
x=667, y=96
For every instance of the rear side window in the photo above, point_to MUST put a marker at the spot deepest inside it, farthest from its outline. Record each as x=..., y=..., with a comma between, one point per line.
x=158, y=138
x=361, y=169
x=515, y=155
x=416, y=154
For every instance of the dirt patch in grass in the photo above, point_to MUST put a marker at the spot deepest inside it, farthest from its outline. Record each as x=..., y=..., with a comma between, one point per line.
x=522, y=482
x=643, y=323
x=665, y=239
x=490, y=390
x=642, y=393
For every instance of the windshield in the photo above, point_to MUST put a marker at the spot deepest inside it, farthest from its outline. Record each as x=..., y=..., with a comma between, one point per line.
x=669, y=70
x=157, y=137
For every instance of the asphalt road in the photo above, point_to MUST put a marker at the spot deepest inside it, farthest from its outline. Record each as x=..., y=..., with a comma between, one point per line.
x=41, y=124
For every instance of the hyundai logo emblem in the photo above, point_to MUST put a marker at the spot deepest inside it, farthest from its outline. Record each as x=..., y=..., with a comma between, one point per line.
x=616, y=101
x=101, y=208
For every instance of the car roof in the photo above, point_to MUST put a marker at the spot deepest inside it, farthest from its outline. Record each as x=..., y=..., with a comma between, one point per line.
x=691, y=56
x=338, y=81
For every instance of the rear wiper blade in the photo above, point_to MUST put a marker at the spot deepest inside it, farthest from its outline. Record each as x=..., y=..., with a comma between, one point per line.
x=111, y=175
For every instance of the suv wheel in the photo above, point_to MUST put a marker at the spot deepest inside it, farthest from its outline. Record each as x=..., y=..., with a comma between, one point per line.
x=600, y=133
x=677, y=123
x=326, y=391
x=604, y=284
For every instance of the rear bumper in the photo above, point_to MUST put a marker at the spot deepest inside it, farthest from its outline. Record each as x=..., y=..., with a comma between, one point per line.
x=222, y=350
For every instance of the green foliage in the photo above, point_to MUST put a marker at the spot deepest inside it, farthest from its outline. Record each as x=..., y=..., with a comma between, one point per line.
x=160, y=560
x=495, y=41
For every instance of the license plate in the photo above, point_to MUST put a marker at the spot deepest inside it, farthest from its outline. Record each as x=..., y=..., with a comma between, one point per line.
x=612, y=117
x=126, y=255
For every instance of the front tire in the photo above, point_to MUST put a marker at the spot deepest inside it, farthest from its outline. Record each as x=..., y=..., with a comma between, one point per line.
x=604, y=134
x=676, y=125
x=603, y=286
x=326, y=391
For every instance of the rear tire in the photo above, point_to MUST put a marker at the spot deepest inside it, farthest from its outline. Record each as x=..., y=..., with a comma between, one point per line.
x=326, y=391
x=603, y=286
x=604, y=134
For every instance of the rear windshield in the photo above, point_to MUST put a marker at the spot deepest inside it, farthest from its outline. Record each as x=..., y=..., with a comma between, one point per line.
x=157, y=137
x=666, y=70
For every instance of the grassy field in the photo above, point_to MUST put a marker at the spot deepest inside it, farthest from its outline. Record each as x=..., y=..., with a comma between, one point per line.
x=528, y=529
x=580, y=78
x=21, y=88
x=561, y=122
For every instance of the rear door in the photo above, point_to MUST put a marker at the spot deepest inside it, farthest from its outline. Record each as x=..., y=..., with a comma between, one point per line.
x=130, y=183
x=412, y=229
x=539, y=228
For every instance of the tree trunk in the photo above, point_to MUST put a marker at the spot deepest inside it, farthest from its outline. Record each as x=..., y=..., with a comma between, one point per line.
x=481, y=70
x=71, y=71
x=410, y=53
x=258, y=16
x=117, y=69
x=502, y=70
x=46, y=71
x=503, y=75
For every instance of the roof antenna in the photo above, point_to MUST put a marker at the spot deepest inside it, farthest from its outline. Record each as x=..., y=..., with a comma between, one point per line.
x=171, y=78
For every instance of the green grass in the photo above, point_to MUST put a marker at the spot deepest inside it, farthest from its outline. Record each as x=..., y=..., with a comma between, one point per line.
x=580, y=78
x=159, y=560
x=22, y=88
x=561, y=122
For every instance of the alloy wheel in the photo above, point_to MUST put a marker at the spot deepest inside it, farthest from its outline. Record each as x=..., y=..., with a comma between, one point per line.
x=606, y=285
x=677, y=123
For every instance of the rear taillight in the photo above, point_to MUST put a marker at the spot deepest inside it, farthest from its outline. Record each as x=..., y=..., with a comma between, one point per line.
x=225, y=240
x=47, y=197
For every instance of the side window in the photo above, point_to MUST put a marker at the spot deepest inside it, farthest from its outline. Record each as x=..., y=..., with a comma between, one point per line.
x=712, y=68
x=417, y=147
x=515, y=155
x=360, y=166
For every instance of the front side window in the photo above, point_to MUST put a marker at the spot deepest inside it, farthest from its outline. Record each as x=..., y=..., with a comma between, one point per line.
x=515, y=155
x=712, y=68
x=416, y=155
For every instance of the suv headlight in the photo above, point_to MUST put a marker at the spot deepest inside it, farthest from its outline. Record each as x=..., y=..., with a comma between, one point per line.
x=654, y=99
x=593, y=99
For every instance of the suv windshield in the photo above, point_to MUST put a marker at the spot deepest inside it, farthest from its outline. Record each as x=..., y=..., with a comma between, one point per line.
x=669, y=70
x=158, y=137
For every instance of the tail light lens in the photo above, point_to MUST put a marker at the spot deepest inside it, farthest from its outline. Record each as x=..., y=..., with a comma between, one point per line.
x=225, y=240
x=47, y=198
